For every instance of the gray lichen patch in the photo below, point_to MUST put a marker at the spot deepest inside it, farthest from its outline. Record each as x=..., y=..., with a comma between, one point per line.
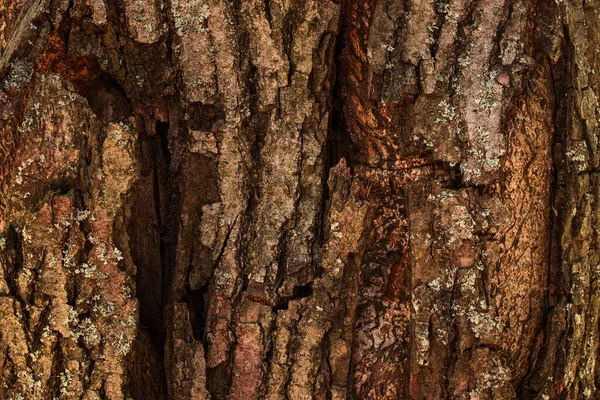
x=19, y=75
x=481, y=107
x=144, y=19
x=193, y=48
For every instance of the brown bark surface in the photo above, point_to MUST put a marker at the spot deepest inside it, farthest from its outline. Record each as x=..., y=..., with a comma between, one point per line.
x=309, y=199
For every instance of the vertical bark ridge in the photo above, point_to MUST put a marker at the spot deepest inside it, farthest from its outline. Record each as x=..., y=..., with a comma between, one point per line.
x=433, y=94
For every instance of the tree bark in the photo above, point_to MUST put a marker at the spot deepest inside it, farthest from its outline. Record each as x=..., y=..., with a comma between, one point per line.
x=311, y=199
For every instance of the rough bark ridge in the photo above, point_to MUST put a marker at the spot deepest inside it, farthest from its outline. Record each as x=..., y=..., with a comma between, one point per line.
x=299, y=199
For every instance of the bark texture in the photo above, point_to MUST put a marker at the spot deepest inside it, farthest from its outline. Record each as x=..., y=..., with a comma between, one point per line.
x=310, y=199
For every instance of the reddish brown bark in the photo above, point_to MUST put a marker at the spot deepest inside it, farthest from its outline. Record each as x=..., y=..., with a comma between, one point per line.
x=295, y=200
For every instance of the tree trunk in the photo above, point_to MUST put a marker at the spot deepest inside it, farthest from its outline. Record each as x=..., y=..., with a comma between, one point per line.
x=311, y=199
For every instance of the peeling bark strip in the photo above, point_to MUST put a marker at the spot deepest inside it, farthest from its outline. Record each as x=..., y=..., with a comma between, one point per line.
x=312, y=199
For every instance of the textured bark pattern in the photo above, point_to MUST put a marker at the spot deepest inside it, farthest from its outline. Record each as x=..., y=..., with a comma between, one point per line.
x=66, y=289
x=312, y=199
